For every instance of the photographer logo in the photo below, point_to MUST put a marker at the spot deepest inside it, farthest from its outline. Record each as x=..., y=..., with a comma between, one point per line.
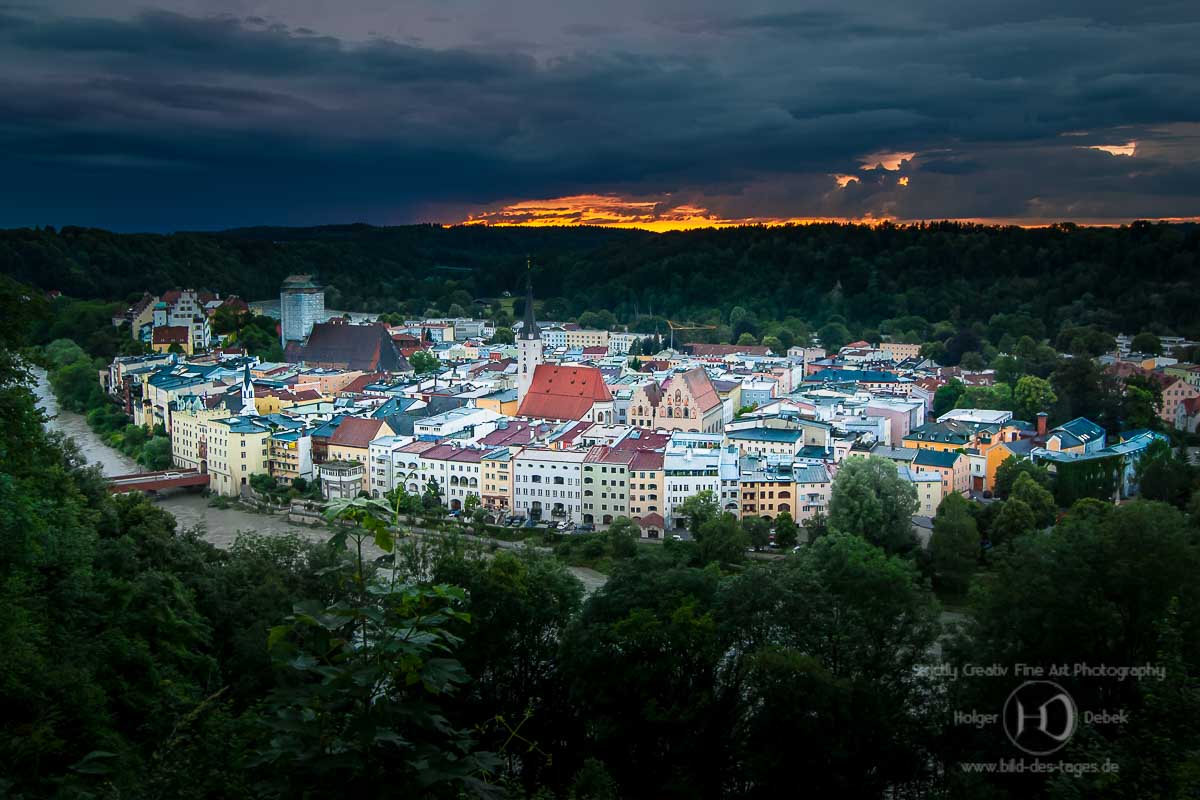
x=1040, y=717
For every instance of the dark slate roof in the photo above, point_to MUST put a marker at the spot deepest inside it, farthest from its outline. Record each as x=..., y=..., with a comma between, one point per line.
x=358, y=347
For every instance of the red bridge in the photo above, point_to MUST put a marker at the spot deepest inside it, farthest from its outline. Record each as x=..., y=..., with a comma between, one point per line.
x=155, y=481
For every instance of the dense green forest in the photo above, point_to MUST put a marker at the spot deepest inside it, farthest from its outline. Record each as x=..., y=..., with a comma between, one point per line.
x=915, y=282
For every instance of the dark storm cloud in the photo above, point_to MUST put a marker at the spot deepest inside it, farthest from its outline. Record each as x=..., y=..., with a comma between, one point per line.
x=749, y=114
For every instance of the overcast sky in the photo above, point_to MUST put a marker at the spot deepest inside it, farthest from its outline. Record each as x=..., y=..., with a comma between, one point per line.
x=203, y=114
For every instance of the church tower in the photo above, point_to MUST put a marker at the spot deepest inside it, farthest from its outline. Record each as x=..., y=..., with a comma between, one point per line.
x=529, y=344
x=247, y=392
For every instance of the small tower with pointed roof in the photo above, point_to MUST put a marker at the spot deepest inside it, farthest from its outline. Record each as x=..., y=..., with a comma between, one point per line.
x=247, y=392
x=529, y=343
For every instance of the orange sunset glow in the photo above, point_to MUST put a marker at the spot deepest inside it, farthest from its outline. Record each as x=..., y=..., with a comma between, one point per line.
x=616, y=212
x=613, y=211
x=1127, y=149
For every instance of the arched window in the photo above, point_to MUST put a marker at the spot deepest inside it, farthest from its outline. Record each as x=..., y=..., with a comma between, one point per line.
x=784, y=507
x=678, y=397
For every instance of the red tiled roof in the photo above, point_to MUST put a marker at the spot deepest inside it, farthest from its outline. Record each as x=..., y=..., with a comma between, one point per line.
x=930, y=384
x=573, y=433
x=448, y=452
x=595, y=351
x=497, y=365
x=645, y=440
x=171, y=334
x=600, y=454
x=362, y=382
x=356, y=432
x=563, y=393
x=647, y=460
x=651, y=520
x=515, y=433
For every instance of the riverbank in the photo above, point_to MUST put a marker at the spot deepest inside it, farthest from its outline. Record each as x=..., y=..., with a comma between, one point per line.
x=218, y=526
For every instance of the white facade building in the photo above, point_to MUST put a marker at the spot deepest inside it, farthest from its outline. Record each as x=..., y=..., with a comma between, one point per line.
x=478, y=422
x=547, y=483
x=388, y=466
x=455, y=470
x=687, y=471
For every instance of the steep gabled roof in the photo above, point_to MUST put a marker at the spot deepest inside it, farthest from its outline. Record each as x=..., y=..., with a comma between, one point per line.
x=563, y=393
x=355, y=347
x=704, y=394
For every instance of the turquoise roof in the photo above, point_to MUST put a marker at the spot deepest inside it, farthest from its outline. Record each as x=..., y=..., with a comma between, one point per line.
x=935, y=458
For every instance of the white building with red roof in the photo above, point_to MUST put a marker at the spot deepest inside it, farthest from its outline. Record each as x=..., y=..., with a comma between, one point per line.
x=455, y=470
x=565, y=393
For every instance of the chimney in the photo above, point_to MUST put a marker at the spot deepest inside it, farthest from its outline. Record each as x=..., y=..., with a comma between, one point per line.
x=1041, y=424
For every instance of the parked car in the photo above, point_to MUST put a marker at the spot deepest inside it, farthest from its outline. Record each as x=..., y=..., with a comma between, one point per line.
x=513, y=521
x=675, y=537
x=585, y=527
x=529, y=523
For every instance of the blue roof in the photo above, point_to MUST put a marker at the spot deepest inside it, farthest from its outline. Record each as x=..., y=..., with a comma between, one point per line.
x=395, y=405
x=327, y=428
x=245, y=425
x=810, y=473
x=865, y=375
x=767, y=434
x=1082, y=428
x=281, y=421
x=935, y=458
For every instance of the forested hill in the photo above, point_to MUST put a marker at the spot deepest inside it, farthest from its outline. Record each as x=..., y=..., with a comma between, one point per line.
x=1137, y=277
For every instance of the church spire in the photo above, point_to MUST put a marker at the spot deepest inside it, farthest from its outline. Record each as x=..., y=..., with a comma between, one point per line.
x=247, y=391
x=530, y=329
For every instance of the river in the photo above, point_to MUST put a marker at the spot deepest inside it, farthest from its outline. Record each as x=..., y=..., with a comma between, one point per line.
x=219, y=526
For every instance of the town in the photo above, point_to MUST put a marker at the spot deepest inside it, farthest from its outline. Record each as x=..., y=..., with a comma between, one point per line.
x=553, y=424
x=599, y=401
